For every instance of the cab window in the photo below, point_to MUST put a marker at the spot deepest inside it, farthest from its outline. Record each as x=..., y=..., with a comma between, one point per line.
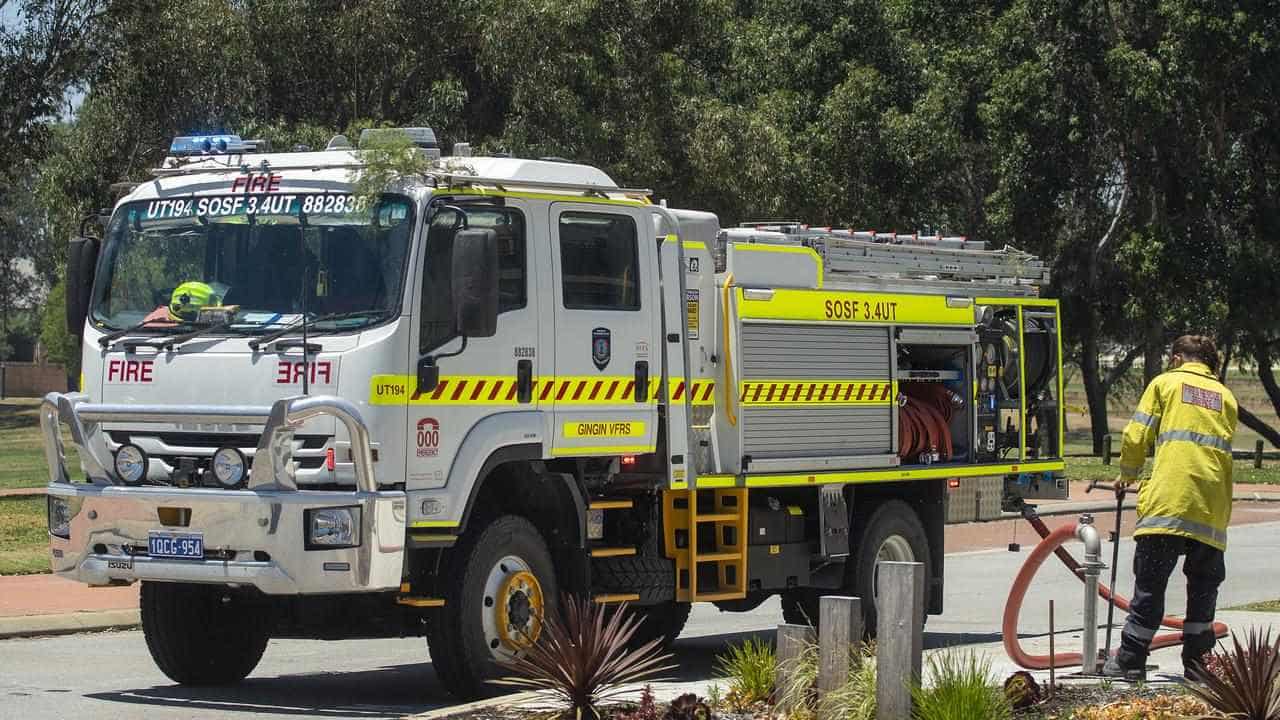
x=436, y=316
x=599, y=261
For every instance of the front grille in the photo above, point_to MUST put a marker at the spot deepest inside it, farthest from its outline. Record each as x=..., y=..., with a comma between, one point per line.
x=211, y=441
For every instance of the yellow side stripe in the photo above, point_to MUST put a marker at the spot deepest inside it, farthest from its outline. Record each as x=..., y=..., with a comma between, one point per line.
x=874, y=476
x=434, y=524
x=502, y=390
x=604, y=450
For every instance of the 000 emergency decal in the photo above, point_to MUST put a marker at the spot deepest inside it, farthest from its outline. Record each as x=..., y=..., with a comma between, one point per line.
x=604, y=429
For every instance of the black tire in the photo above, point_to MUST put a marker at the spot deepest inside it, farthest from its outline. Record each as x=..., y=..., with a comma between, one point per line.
x=455, y=636
x=893, y=518
x=202, y=634
x=654, y=579
x=663, y=621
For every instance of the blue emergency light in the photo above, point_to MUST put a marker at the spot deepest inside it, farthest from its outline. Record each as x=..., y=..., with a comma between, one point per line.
x=205, y=145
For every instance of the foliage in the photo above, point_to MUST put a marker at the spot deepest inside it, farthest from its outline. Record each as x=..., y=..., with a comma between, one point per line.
x=688, y=707
x=856, y=698
x=1244, y=681
x=715, y=697
x=646, y=709
x=960, y=686
x=1160, y=707
x=798, y=694
x=750, y=669
x=388, y=157
x=583, y=659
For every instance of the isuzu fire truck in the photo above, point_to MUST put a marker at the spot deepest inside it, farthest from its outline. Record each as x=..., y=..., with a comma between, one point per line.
x=309, y=414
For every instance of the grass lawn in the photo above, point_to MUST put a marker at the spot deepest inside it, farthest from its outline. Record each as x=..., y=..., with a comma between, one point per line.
x=21, y=450
x=24, y=536
x=1264, y=606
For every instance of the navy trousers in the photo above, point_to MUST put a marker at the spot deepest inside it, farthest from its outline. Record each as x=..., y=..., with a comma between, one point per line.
x=1153, y=563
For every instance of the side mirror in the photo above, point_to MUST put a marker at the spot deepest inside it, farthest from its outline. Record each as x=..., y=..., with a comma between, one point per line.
x=428, y=374
x=82, y=259
x=475, y=282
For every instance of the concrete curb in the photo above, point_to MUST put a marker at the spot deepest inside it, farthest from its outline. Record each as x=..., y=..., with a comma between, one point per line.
x=22, y=492
x=68, y=623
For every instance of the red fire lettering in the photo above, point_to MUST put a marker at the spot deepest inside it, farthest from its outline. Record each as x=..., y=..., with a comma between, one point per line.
x=273, y=185
x=144, y=374
x=283, y=372
x=113, y=370
x=237, y=182
x=321, y=368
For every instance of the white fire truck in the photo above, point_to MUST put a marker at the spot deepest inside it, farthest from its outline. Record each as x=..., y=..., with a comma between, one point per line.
x=305, y=413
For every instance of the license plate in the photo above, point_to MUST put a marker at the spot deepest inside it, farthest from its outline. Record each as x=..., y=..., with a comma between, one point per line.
x=170, y=545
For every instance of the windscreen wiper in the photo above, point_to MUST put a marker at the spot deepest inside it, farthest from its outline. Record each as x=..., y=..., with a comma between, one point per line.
x=110, y=337
x=298, y=325
x=176, y=340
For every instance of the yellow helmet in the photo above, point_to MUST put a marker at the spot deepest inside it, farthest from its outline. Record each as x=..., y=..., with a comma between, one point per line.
x=190, y=296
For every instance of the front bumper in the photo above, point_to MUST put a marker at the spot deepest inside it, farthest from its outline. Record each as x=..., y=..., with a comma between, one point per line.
x=252, y=537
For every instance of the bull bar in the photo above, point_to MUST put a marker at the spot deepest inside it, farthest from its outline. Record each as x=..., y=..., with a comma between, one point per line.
x=257, y=534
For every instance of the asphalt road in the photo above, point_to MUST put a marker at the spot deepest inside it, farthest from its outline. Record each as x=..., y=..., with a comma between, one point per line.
x=110, y=675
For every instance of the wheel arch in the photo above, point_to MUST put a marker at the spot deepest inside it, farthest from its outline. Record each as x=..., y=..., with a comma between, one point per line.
x=513, y=480
x=928, y=499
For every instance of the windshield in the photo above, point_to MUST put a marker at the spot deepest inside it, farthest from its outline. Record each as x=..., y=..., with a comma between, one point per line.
x=262, y=260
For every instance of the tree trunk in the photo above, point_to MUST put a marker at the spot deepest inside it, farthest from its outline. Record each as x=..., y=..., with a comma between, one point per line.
x=1152, y=352
x=1263, y=357
x=1095, y=390
x=1254, y=423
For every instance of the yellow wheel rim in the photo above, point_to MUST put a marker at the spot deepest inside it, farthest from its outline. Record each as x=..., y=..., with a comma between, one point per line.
x=519, y=610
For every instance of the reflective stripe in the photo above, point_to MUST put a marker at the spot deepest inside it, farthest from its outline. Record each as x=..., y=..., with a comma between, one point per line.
x=1144, y=419
x=1196, y=628
x=1198, y=438
x=1189, y=526
x=1133, y=629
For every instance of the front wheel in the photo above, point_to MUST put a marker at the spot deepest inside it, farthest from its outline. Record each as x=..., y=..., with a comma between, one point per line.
x=202, y=634
x=501, y=584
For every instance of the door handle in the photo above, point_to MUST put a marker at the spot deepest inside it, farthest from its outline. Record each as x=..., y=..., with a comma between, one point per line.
x=524, y=381
x=642, y=381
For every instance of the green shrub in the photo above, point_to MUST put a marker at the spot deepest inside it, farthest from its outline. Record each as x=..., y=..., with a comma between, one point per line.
x=856, y=698
x=749, y=669
x=960, y=687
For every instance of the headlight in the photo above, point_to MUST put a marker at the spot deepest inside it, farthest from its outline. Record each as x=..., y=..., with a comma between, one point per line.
x=131, y=464
x=61, y=510
x=329, y=528
x=228, y=467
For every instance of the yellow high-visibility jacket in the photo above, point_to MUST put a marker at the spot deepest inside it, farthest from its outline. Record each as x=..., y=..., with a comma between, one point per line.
x=1189, y=418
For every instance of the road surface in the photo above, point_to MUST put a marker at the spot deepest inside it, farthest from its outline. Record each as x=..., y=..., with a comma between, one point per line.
x=110, y=675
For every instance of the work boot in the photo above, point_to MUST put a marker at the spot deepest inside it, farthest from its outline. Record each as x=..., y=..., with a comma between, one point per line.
x=1113, y=669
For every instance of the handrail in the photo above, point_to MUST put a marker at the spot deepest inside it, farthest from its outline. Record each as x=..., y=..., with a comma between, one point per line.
x=273, y=466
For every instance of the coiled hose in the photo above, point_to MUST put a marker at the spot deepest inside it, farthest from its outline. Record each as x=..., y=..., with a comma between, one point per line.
x=1051, y=542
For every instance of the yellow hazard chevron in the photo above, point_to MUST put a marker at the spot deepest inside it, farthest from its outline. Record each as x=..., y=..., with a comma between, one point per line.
x=815, y=392
x=501, y=390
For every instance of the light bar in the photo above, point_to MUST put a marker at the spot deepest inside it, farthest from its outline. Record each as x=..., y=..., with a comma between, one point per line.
x=205, y=145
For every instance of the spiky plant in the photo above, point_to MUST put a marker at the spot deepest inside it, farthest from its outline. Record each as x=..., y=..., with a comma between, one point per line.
x=1245, y=680
x=750, y=669
x=583, y=659
x=962, y=688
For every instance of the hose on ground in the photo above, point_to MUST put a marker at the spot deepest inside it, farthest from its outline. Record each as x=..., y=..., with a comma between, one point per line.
x=1052, y=542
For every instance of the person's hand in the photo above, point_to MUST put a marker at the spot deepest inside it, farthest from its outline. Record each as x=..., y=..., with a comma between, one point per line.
x=1122, y=484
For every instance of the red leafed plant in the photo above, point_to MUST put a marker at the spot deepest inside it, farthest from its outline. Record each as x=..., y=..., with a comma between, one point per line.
x=583, y=658
x=1242, y=681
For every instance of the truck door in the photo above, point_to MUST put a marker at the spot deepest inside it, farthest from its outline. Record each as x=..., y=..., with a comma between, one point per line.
x=607, y=352
x=492, y=375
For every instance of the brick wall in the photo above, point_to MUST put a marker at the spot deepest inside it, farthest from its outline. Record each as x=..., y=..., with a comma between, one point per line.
x=31, y=380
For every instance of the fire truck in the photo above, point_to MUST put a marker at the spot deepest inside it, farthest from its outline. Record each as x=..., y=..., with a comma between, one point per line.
x=440, y=408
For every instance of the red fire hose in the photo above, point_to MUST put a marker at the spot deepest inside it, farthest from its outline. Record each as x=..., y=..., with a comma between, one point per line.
x=1052, y=543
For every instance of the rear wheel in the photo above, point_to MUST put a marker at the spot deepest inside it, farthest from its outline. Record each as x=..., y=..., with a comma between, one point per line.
x=501, y=586
x=202, y=634
x=892, y=533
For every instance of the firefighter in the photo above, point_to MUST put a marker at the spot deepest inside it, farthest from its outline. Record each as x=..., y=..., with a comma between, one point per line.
x=1188, y=417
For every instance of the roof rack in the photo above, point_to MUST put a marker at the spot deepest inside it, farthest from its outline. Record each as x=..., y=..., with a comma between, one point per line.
x=891, y=259
x=452, y=179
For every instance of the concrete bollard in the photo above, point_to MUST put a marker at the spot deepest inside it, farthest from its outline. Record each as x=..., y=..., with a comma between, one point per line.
x=899, y=637
x=840, y=633
x=791, y=641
